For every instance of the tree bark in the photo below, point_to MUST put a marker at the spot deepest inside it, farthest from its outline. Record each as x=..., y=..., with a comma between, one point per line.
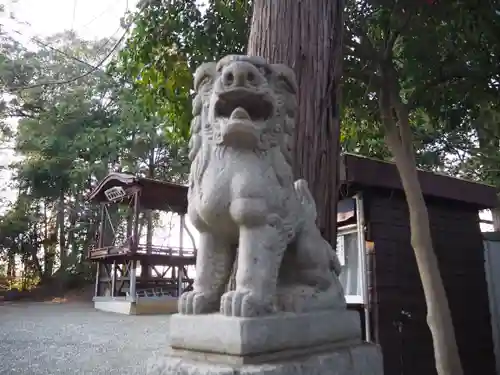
x=307, y=36
x=399, y=141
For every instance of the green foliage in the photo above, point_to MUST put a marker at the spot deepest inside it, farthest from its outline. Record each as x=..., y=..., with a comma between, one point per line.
x=444, y=58
x=168, y=40
x=68, y=137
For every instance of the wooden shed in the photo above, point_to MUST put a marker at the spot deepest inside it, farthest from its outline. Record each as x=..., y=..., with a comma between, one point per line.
x=381, y=276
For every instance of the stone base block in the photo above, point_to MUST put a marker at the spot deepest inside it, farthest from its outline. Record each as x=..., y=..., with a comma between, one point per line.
x=251, y=340
x=143, y=306
x=358, y=359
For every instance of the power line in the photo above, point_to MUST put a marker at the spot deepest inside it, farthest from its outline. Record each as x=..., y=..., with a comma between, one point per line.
x=93, y=68
x=57, y=50
x=75, y=4
x=87, y=73
x=95, y=18
x=46, y=45
x=112, y=35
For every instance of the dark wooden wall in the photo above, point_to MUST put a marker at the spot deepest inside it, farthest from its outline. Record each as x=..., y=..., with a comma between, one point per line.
x=399, y=311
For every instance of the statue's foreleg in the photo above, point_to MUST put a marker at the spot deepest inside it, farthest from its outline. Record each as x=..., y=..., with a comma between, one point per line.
x=214, y=259
x=260, y=253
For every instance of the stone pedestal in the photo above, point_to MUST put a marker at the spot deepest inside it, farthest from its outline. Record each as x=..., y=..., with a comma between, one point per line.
x=324, y=342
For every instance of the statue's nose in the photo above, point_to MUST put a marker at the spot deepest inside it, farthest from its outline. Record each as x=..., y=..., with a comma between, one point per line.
x=241, y=74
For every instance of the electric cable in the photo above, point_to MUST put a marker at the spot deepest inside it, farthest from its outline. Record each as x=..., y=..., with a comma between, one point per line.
x=92, y=67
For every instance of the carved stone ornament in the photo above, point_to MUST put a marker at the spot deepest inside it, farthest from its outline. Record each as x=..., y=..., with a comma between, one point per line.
x=243, y=200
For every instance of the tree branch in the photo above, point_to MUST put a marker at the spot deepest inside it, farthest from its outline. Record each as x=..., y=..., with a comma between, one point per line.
x=444, y=79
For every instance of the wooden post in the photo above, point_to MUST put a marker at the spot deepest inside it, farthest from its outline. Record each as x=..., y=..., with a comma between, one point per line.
x=360, y=217
x=133, y=280
x=100, y=242
x=113, y=278
x=96, y=291
x=180, y=275
x=180, y=280
x=100, y=245
x=130, y=223
x=135, y=235
x=181, y=235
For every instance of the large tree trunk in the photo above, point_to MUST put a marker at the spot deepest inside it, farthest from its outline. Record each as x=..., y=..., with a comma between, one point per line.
x=307, y=36
x=399, y=141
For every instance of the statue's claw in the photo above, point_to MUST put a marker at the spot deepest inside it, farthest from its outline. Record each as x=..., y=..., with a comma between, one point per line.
x=242, y=303
x=196, y=303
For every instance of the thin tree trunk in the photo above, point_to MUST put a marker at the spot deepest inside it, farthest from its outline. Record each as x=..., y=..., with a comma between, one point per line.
x=34, y=247
x=145, y=267
x=60, y=225
x=11, y=264
x=149, y=230
x=307, y=36
x=48, y=246
x=398, y=138
x=33, y=251
x=71, y=234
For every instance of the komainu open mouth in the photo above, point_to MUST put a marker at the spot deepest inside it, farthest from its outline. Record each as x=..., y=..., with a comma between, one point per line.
x=258, y=107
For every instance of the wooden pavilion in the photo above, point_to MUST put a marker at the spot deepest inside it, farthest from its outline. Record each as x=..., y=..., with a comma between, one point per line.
x=118, y=254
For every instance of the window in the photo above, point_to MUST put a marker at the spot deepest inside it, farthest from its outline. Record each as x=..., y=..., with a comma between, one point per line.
x=349, y=254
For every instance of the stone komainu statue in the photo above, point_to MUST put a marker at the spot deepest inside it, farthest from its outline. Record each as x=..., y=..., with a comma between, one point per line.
x=242, y=197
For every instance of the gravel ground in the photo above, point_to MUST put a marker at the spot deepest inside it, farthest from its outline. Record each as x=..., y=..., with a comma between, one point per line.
x=73, y=338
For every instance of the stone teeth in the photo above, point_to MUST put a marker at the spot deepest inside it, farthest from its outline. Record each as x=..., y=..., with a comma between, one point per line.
x=240, y=113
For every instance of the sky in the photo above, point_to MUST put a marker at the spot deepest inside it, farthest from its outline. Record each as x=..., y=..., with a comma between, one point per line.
x=91, y=19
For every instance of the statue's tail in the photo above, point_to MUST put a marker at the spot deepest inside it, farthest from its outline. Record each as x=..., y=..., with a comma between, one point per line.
x=306, y=199
x=309, y=206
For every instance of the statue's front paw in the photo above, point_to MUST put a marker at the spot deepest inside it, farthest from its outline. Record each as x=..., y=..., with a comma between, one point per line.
x=244, y=303
x=198, y=303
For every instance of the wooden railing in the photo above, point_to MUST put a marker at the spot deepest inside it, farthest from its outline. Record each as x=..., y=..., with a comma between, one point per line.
x=173, y=251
